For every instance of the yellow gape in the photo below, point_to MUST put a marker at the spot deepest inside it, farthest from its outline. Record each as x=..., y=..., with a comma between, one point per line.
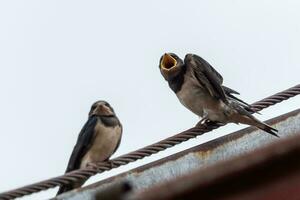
x=168, y=62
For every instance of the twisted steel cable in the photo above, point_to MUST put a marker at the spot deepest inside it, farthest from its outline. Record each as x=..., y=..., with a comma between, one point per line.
x=93, y=169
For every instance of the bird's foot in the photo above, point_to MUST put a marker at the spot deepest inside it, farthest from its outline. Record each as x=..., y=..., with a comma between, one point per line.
x=106, y=164
x=92, y=165
x=202, y=121
x=110, y=164
x=209, y=122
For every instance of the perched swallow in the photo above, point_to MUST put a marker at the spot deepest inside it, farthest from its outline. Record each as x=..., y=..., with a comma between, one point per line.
x=199, y=88
x=98, y=140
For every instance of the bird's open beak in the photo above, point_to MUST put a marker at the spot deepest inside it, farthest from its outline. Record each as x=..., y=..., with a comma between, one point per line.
x=167, y=62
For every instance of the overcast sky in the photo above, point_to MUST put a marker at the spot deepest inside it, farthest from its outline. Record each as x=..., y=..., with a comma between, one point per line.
x=58, y=57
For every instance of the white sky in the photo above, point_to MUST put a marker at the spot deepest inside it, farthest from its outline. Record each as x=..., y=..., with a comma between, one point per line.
x=58, y=57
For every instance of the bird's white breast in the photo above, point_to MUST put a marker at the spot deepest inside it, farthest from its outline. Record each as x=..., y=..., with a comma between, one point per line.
x=104, y=144
x=192, y=96
x=199, y=101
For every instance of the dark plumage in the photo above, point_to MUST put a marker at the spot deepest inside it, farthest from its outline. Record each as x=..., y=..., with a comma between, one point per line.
x=199, y=88
x=97, y=141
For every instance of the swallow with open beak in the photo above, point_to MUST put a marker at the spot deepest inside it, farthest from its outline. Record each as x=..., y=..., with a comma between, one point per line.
x=98, y=140
x=199, y=88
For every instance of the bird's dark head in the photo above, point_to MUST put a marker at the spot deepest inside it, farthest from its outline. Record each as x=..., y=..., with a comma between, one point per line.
x=102, y=108
x=170, y=65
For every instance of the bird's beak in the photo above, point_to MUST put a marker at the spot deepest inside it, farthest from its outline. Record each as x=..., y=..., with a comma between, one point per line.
x=101, y=110
x=106, y=111
x=168, y=66
x=167, y=62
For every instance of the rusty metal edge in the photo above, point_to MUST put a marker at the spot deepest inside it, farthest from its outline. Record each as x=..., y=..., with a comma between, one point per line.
x=255, y=171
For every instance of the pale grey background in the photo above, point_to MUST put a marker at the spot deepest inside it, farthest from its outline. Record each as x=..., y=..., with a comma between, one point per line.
x=58, y=57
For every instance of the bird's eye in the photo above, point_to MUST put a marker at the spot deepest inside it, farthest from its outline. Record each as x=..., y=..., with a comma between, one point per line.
x=93, y=107
x=174, y=56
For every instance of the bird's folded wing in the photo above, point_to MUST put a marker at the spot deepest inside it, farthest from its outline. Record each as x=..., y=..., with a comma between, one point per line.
x=207, y=76
x=83, y=144
x=229, y=90
x=229, y=93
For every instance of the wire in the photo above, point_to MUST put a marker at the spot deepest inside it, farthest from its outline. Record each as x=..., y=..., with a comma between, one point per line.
x=83, y=174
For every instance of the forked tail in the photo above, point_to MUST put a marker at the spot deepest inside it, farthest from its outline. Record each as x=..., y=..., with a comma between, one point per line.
x=66, y=188
x=243, y=116
x=267, y=128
